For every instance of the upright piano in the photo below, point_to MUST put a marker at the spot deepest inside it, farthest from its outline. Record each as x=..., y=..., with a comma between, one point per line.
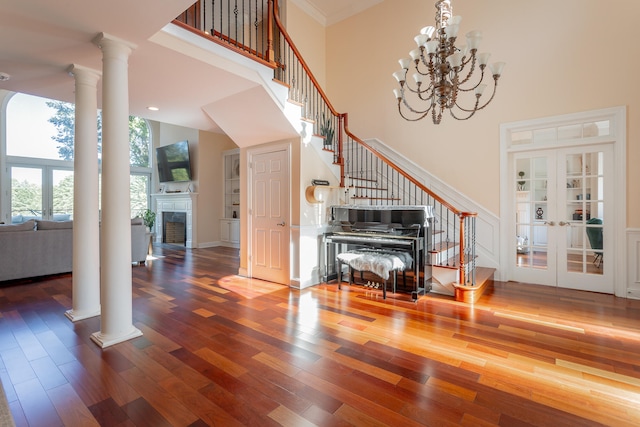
x=396, y=227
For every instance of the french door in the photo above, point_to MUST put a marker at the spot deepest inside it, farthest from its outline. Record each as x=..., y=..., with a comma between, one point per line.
x=41, y=192
x=562, y=217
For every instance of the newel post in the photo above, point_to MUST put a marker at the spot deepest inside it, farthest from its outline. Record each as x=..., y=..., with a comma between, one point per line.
x=462, y=248
x=273, y=6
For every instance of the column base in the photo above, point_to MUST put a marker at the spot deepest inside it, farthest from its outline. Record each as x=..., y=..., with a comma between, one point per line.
x=105, y=341
x=74, y=316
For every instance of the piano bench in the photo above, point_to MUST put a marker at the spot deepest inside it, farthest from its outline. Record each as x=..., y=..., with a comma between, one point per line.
x=376, y=261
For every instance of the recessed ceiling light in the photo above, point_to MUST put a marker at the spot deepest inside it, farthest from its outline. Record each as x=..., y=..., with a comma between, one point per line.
x=152, y=108
x=4, y=77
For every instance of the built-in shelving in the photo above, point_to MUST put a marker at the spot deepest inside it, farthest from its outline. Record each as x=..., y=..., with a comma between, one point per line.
x=232, y=184
x=230, y=223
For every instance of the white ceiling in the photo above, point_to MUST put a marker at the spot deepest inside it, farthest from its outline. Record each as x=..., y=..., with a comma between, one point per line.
x=40, y=39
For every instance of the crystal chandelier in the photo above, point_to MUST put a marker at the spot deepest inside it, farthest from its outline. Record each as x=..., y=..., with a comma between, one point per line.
x=448, y=69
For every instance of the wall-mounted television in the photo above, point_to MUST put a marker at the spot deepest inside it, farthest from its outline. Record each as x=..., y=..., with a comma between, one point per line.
x=173, y=162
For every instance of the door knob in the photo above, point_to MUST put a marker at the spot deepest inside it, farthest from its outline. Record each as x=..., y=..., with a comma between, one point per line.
x=281, y=224
x=551, y=223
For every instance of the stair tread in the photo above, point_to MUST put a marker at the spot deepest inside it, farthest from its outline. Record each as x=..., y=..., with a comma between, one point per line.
x=451, y=262
x=362, y=179
x=294, y=102
x=374, y=198
x=363, y=187
x=443, y=246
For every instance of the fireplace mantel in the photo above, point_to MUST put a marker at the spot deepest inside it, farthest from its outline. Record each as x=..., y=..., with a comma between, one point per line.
x=177, y=202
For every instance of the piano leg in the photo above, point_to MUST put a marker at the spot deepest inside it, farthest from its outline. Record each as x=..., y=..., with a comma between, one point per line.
x=395, y=280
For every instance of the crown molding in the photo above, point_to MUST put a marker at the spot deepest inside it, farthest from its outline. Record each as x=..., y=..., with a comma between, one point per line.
x=311, y=10
x=349, y=8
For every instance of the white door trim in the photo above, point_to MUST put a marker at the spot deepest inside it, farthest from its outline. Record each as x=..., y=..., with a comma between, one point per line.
x=251, y=153
x=617, y=135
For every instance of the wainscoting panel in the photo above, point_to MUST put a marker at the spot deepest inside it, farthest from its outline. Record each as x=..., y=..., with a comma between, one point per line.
x=633, y=263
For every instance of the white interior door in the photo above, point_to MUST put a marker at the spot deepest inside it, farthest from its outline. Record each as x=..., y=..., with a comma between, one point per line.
x=562, y=200
x=269, y=254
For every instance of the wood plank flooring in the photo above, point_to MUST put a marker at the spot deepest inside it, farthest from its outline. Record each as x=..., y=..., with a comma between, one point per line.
x=222, y=350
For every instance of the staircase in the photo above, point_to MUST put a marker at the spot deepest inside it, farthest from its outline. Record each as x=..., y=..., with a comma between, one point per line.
x=367, y=176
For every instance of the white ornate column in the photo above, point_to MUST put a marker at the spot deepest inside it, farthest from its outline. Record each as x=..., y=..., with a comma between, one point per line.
x=116, y=323
x=86, y=243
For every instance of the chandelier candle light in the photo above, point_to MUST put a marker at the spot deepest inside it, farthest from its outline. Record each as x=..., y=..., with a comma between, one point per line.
x=448, y=68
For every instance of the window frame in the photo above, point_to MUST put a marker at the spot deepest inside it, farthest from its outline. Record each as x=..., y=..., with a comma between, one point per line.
x=7, y=162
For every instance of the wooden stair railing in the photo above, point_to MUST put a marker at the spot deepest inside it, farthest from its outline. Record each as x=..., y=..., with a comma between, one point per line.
x=373, y=178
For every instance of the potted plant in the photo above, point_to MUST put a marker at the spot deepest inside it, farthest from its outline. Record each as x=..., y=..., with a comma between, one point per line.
x=326, y=131
x=149, y=218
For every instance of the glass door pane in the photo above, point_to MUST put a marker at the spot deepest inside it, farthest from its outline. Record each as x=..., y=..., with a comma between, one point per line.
x=584, y=170
x=139, y=185
x=26, y=194
x=531, y=205
x=585, y=195
x=62, y=195
x=531, y=175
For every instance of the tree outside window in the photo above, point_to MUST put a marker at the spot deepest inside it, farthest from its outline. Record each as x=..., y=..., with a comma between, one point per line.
x=59, y=129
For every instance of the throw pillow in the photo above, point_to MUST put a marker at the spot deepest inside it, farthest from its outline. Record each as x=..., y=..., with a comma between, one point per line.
x=53, y=225
x=25, y=226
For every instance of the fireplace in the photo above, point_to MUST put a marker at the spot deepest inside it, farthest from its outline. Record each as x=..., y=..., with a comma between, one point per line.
x=177, y=218
x=174, y=226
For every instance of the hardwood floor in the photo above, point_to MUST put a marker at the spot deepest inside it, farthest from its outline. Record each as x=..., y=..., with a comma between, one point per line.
x=222, y=350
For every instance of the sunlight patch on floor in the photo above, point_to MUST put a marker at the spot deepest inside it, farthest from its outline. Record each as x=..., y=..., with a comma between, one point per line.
x=538, y=321
x=247, y=287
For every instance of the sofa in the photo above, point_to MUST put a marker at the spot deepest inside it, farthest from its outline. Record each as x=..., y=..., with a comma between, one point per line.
x=39, y=248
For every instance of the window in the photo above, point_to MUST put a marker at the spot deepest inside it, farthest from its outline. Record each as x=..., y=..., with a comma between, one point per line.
x=39, y=149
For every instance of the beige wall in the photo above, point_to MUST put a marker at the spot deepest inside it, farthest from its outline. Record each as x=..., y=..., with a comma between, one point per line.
x=562, y=57
x=211, y=184
x=309, y=37
x=205, y=149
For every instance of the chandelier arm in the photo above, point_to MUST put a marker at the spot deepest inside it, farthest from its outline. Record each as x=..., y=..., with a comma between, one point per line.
x=429, y=65
x=472, y=112
x=403, y=99
x=472, y=88
x=426, y=94
x=470, y=72
x=495, y=87
x=417, y=90
x=420, y=117
x=422, y=73
x=423, y=60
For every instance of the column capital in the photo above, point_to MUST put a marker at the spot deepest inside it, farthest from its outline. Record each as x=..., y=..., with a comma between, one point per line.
x=107, y=41
x=84, y=74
